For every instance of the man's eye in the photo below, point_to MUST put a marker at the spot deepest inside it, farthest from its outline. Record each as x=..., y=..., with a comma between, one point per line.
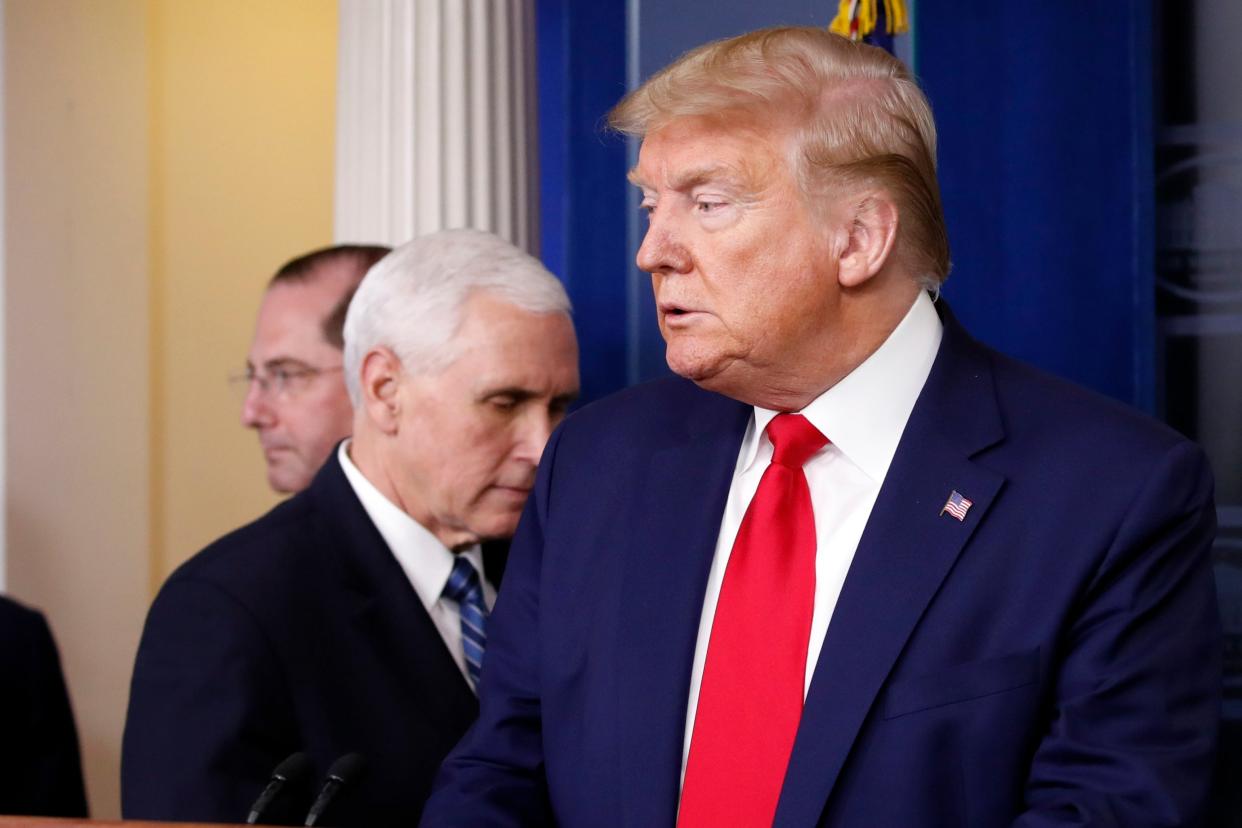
x=503, y=403
x=708, y=206
x=283, y=374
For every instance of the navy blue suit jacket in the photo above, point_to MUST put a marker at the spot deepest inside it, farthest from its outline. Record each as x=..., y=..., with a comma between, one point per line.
x=297, y=632
x=1052, y=659
x=40, y=768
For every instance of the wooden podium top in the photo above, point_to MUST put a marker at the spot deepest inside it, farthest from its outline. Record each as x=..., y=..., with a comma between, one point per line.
x=57, y=822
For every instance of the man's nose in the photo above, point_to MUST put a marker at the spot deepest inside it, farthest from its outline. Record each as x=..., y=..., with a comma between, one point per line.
x=533, y=432
x=662, y=250
x=257, y=409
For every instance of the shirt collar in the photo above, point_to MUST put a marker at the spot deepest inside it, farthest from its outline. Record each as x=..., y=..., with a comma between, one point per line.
x=865, y=413
x=426, y=561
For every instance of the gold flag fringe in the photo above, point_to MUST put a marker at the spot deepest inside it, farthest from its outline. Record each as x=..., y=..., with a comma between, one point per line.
x=857, y=18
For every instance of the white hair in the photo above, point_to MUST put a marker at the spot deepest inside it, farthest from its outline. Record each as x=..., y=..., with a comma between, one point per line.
x=411, y=300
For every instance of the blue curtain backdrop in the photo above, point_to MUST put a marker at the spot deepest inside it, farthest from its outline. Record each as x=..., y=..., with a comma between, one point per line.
x=1046, y=155
x=581, y=73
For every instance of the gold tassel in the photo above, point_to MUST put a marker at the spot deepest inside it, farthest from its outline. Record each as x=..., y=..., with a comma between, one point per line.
x=843, y=23
x=857, y=18
x=896, y=16
x=866, y=18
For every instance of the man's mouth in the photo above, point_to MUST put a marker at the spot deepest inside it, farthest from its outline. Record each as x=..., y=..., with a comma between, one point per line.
x=673, y=312
x=519, y=487
x=515, y=496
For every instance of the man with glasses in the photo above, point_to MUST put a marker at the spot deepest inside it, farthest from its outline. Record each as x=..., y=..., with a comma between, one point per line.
x=294, y=393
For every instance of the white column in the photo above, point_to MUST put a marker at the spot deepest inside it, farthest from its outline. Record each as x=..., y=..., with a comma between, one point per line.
x=435, y=119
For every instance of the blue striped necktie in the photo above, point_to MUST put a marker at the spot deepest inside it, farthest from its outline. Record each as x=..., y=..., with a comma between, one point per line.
x=463, y=587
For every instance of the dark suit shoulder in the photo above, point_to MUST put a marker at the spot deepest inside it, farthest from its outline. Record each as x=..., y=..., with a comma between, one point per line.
x=27, y=650
x=252, y=561
x=1076, y=420
x=1098, y=465
x=660, y=398
x=40, y=773
x=659, y=410
x=24, y=638
x=18, y=620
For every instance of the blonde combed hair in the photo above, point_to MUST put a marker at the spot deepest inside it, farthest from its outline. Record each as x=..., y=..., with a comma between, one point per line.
x=856, y=114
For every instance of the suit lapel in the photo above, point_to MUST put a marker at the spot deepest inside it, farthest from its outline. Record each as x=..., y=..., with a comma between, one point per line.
x=668, y=555
x=906, y=550
x=385, y=608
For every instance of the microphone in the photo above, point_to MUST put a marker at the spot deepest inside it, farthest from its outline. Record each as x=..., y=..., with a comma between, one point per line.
x=295, y=768
x=343, y=771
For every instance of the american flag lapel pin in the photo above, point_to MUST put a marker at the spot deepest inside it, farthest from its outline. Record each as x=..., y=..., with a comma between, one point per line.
x=957, y=505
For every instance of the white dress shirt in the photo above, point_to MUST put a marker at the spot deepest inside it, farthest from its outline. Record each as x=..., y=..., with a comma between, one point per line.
x=863, y=416
x=426, y=561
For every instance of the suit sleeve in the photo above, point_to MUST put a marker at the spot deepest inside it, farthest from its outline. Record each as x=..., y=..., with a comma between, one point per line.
x=495, y=775
x=43, y=772
x=1136, y=702
x=208, y=711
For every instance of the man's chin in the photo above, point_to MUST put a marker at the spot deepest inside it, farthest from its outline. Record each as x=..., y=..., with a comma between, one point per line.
x=496, y=527
x=728, y=376
x=696, y=366
x=285, y=480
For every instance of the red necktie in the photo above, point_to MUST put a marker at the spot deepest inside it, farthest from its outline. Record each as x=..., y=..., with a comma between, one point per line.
x=750, y=699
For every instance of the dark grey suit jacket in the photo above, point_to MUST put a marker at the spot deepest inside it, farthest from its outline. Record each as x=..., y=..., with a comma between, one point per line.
x=40, y=769
x=298, y=632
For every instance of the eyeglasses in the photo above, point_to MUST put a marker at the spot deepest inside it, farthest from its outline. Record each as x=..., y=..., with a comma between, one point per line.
x=287, y=380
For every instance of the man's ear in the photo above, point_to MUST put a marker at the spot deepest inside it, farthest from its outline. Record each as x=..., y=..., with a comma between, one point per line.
x=872, y=235
x=380, y=381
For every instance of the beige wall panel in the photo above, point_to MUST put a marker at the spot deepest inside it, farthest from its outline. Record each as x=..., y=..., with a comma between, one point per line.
x=76, y=347
x=163, y=157
x=243, y=167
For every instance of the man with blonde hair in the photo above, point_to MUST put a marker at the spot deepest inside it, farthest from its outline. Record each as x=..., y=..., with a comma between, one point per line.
x=852, y=568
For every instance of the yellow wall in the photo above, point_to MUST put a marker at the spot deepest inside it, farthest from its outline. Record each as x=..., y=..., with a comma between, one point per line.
x=76, y=346
x=162, y=158
x=242, y=150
